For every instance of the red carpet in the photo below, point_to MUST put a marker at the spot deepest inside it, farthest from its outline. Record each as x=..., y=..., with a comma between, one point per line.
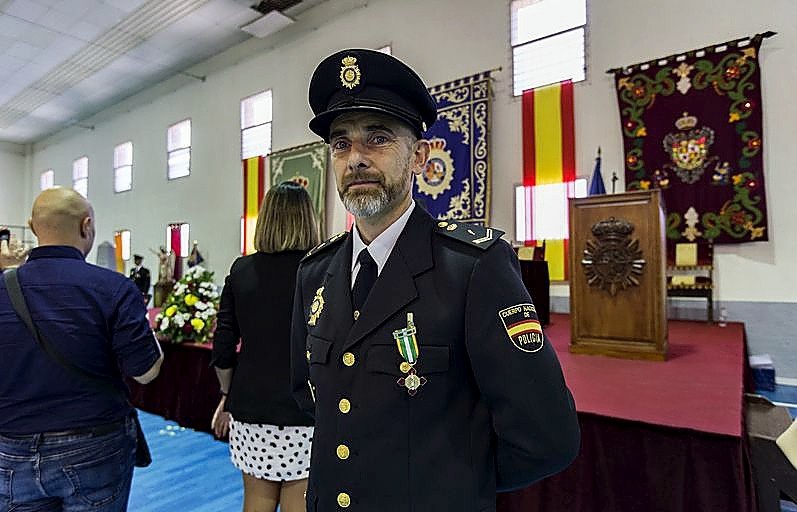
x=699, y=387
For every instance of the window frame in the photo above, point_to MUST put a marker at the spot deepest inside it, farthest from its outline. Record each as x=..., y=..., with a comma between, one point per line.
x=85, y=178
x=514, y=46
x=117, y=168
x=249, y=128
x=50, y=173
x=189, y=147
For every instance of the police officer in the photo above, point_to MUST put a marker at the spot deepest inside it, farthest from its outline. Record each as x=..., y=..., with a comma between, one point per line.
x=140, y=276
x=415, y=344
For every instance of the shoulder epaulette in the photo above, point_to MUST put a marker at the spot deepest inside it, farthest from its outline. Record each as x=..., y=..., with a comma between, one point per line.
x=330, y=242
x=472, y=234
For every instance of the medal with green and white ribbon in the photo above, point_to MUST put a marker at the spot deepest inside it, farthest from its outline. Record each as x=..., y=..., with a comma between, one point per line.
x=407, y=345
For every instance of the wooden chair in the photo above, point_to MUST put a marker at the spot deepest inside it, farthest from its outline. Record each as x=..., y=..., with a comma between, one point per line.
x=690, y=269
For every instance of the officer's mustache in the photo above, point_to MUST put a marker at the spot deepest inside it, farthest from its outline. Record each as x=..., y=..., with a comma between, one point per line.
x=351, y=179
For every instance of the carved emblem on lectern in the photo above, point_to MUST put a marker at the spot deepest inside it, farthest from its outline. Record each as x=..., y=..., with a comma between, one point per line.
x=614, y=261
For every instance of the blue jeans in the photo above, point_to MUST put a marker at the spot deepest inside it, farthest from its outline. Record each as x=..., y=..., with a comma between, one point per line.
x=75, y=473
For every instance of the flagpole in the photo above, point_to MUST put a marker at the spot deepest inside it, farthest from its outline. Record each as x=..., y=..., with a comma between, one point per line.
x=614, y=180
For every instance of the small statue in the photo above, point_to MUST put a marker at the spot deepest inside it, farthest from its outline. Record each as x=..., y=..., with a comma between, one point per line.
x=165, y=275
x=195, y=258
x=165, y=265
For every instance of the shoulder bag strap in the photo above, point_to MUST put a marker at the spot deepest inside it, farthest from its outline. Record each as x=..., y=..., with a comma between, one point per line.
x=20, y=306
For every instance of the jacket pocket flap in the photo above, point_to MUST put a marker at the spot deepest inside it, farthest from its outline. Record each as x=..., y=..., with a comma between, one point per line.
x=386, y=359
x=319, y=349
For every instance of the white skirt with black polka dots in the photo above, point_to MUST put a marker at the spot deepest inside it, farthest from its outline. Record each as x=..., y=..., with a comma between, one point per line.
x=268, y=452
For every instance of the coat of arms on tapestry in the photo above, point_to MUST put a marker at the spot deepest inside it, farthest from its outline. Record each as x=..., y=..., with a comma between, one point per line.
x=692, y=128
x=307, y=166
x=455, y=184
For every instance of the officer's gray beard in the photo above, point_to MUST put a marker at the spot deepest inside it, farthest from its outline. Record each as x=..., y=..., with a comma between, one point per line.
x=370, y=203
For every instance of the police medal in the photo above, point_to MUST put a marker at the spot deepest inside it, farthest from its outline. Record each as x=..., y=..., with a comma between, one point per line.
x=407, y=345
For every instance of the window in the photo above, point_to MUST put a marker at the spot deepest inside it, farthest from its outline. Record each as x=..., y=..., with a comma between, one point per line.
x=550, y=214
x=123, y=167
x=547, y=42
x=256, y=125
x=178, y=147
x=177, y=235
x=47, y=179
x=122, y=237
x=80, y=176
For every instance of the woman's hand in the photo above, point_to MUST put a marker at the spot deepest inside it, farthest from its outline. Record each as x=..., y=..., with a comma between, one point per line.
x=221, y=420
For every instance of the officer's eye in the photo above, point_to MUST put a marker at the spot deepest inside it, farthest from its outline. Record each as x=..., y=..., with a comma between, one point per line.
x=339, y=145
x=379, y=139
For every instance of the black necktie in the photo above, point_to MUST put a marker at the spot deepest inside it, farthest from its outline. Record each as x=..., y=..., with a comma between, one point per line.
x=365, y=280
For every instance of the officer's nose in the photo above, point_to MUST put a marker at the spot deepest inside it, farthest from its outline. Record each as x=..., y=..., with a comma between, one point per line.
x=358, y=160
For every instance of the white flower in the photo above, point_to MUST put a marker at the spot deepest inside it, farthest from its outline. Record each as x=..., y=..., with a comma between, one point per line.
x=165, y=323
x=201, y=305
x=179, y=319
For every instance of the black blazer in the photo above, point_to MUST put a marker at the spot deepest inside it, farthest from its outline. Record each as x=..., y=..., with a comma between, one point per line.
x=256, y=305
x=494, y=413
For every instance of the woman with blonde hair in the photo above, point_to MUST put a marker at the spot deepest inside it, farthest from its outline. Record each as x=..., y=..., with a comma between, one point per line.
x=270, y=436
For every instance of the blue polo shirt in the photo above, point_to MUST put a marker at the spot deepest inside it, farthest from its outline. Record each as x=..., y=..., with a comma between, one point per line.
x=95, y=318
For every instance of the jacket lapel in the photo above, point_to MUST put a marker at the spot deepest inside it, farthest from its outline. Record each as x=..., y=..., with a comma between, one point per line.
x=336, y=320
x=395, y=287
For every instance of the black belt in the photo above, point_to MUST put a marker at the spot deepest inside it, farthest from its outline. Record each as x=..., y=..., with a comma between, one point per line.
x=97, y=430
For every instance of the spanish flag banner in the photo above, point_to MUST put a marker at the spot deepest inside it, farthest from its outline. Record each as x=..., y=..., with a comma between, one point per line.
x=549, y=159
x=254, y=189
x=117, y=245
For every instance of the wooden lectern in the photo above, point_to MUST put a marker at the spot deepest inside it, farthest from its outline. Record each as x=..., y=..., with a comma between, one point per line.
x=617, y=276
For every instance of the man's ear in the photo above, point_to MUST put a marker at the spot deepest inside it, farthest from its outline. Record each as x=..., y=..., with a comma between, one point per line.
x=30, y=225
x=85, y=226
x=420, y=155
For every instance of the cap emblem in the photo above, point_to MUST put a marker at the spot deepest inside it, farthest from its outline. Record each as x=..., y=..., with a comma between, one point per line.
x=350, y=72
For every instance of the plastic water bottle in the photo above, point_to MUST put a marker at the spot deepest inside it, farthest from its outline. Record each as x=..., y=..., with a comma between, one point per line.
x=723, y=320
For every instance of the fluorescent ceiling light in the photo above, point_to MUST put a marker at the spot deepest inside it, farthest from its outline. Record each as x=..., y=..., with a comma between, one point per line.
x=269, y=24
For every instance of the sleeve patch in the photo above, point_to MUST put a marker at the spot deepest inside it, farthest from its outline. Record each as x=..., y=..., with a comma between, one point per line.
x=523, y=327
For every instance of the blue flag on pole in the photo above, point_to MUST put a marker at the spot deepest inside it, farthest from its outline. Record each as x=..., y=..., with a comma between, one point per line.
x=597, y=188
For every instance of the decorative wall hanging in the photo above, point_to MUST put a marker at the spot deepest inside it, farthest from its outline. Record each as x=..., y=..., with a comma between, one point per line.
x=692, y=127
x=456, y=181
x=307, y=166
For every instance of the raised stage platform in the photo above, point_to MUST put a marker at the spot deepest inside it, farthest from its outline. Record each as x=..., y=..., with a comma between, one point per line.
x=656, y=436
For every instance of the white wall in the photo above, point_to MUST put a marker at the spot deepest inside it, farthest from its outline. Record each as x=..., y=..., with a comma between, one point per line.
x=13, y=209
x=442, y=40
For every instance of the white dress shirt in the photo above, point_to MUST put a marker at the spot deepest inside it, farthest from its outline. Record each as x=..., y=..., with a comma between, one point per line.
x=381, y=247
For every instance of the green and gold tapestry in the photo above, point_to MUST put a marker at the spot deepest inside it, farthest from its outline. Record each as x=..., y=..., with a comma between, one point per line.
x=307, y=166
x=692, y=128
x=455, y=184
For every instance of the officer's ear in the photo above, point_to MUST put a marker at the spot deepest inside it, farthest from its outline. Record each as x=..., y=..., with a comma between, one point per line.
x=420, y=155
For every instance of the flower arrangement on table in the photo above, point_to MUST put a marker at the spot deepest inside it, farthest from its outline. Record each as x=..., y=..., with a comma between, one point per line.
x=189, y=313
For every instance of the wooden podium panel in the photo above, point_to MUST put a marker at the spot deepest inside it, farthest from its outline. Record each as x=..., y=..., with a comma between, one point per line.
x=617, y=276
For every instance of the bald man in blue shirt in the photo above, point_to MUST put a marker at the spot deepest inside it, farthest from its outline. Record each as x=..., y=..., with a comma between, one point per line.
x=65, y=445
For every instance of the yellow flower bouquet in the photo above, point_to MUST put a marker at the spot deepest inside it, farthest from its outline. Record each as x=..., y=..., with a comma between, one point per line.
x=189, y=313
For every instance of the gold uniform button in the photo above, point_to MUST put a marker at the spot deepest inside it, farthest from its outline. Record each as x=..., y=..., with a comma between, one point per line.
x=442, y=224
x=308, y=355
x=405, y=367
x=342, y=451
x=344, y=500
x=344, y=406
x=348, y=359
x=356, y=314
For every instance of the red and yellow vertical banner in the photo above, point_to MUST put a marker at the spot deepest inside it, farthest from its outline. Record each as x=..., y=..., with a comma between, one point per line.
x=548, y=158
x=254, y=188
x=117, y=244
